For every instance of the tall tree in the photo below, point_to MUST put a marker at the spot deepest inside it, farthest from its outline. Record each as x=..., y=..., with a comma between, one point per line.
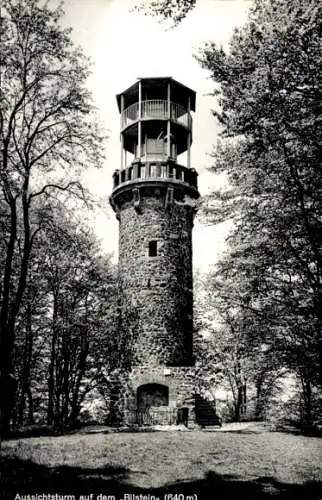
x=238, y=351
x=48, y=135
x=269, y=86
x=65, y=326
x=81, y=286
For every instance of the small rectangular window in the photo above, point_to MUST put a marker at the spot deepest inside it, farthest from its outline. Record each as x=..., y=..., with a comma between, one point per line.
x=152, y=248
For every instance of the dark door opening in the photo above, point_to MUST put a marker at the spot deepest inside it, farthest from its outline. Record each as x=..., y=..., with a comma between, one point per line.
x=152, y=395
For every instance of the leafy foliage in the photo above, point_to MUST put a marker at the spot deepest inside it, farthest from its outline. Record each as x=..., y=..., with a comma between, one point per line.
x=269, y=87
x=176, y=10
x=49, y=135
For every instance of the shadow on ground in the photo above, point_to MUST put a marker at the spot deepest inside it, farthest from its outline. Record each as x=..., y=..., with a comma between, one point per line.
x=27, y=478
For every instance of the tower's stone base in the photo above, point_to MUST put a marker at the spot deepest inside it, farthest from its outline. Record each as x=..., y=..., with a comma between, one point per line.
x=159, y=395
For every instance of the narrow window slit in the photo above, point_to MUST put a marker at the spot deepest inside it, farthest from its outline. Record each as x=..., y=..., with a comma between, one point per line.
x=153, y=248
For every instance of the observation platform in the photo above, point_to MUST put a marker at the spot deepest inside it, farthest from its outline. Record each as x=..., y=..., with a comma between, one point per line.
x=156, y=110
x=165, y=174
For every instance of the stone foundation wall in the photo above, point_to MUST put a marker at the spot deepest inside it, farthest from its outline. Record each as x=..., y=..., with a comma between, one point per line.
x=180, y=382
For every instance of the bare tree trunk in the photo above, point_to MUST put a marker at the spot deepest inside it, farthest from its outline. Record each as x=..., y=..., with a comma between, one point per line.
x=75, y=406
x=239, y=394
x=30, y=407
x=307, y=399
x=52, y=363
x=65, y=376
x=244, y=398
x=25, y=383
x=238, y=404
x=58, y=395
x=259, y=403
x=10, y=308
x=8, y=384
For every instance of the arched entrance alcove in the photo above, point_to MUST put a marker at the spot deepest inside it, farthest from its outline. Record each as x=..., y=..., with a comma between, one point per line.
x=152, y=395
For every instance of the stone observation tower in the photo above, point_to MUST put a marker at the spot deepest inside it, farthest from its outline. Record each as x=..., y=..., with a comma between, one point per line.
x=155, y=199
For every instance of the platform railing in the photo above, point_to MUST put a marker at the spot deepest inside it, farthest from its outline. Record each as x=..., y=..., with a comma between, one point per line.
x=156, y=109
x=152, y=416
x=155, y=171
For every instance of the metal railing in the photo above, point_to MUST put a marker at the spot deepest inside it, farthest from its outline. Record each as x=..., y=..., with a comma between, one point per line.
x=152, y=416
x=155, y=170
x=156, y=109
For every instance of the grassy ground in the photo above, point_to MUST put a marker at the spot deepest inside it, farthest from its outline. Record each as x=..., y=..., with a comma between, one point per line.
x=231, y=464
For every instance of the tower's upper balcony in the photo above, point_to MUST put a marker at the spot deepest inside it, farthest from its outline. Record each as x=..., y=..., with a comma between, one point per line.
x=157, y=89
x=156, y=128
x=156, y=109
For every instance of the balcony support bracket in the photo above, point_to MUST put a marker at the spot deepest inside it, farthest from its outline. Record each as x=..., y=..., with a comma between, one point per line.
x=169, y=198
x=136, y=199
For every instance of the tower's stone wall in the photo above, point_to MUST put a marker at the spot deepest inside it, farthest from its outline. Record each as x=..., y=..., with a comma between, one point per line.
x=156, y=291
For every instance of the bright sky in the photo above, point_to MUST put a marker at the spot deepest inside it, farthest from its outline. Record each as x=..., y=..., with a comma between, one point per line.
x=124, y=45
